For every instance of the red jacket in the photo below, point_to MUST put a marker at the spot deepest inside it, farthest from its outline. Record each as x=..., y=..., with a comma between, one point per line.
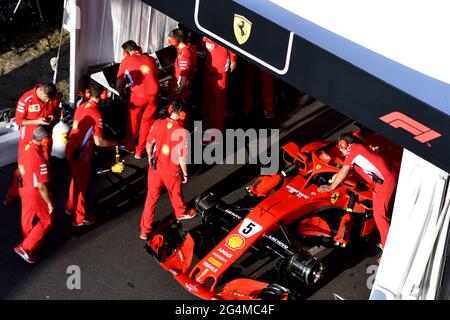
x=29, y=107
x=169, y=139
x=32, y=166
x=218, y=58
x=87, y=123
x=186, y=64
x=142, y=72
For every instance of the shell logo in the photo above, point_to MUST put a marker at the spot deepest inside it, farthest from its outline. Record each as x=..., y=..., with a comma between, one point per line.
x=165, y=150
x=27, y=147
x=21, y=169
x=169, y=125
x=75, y=125
x=87, y=106
x=235, y=242
x=144, y=68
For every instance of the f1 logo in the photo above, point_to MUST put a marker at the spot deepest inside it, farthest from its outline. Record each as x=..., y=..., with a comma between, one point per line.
x=421, y=133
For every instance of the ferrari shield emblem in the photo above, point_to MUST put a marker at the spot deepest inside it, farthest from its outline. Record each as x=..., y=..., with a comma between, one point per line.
x=334, y=197
x=242, y=28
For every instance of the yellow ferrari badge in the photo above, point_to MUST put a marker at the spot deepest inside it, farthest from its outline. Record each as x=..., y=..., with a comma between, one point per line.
x=334, y=197
x=242, y=28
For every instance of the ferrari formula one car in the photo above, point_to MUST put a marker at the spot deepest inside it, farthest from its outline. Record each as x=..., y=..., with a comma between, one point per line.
x=287, y=208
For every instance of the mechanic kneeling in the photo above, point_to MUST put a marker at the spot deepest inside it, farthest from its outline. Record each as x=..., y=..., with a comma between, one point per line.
x=166, y=147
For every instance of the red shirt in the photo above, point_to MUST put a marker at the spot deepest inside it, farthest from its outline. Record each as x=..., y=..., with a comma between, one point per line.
x=87, y=123
x=142, y=72
x=169, y=138
x=186, y=64
x=367, y=163
x=32, y=166
x=29, y=107
x=218, y=58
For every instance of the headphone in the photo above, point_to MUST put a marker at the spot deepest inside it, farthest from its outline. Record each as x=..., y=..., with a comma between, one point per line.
x=173, y=41
x=45, y=141
x=125, y=53
x=181, y=114
x=103, y=95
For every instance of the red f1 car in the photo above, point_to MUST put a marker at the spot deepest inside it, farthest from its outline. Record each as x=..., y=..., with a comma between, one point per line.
x=288, y=207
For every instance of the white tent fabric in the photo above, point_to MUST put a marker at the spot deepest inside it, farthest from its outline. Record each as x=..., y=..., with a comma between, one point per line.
x=97, y=38
x=411, y=264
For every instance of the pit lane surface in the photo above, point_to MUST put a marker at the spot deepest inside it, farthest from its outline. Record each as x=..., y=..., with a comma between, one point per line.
x=112, y=258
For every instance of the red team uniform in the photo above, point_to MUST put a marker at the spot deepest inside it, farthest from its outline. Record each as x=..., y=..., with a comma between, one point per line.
x=33, y=170
x=214, y=104
x=375, y=171
x=185, y=65
x=168, y=172
x=29, y=107
x=141, y=71
x=79, y=150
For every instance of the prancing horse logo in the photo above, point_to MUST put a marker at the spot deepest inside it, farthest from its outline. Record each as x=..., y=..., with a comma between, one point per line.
x=242, y=28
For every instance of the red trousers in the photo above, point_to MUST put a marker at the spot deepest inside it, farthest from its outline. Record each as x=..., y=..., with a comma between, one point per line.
x=382, y=197
x=33, y=205
x=146, y=124
x=13, y=190
x=78, y=186
x=136, y=108
x=214, y=104
x=156, y=180
x=249, y=86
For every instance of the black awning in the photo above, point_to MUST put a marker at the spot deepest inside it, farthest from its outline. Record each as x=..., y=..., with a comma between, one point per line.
x=406, y=120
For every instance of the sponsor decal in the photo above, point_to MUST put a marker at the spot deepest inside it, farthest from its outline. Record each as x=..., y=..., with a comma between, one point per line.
x=420, y=132
x=249, y=228
x=210, y=46
x=318, y=167
x=225, y=253
x=87, y=106
x=215, y=262
x=27, y=147
x=334, y=197
x=169, y=125
x=210, y=267
x=165, y=150
x=280, y=243
x=21, y=169
x=75, y=125
x=145, y=69
x=34, y=108
x=191, y=287
x=218, y=256
x=296, y=192
x=231, y=213
x=242, y=28
x=235, y=241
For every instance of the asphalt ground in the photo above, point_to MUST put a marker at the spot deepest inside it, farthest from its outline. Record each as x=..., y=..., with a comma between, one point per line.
x=112, y=259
